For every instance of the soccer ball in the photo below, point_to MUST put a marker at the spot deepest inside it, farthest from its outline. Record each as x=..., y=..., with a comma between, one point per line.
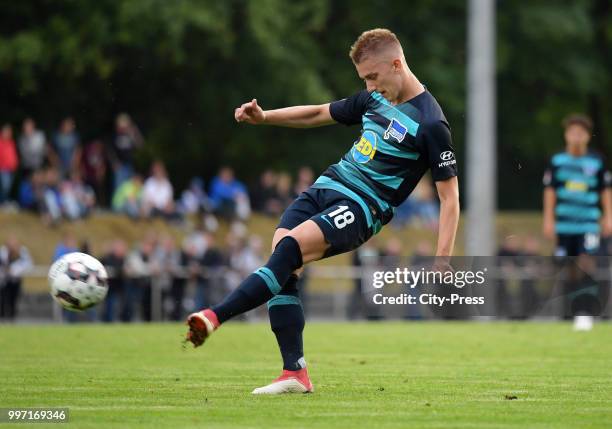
x=78, y=281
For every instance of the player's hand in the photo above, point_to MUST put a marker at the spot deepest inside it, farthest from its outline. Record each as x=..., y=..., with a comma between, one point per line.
x=442, y=264
x=548, y=229
x=250, y=113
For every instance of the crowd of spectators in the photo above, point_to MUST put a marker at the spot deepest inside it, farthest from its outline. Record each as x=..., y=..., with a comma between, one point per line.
x=64, y=179
x=158, y=262
x=187, y=275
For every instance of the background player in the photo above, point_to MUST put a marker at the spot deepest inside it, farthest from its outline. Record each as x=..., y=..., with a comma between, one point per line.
x=577, y=209
x=404, y=133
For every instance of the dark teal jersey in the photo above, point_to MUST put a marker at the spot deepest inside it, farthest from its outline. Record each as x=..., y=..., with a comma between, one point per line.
x=578, y=182
x=396, y=147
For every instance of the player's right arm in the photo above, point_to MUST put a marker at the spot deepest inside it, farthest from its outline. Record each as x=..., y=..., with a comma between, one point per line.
x=347, y=111
x=294, y=117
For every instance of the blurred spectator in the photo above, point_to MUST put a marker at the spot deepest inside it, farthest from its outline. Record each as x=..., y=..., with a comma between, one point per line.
x=51, y=208
x=114, y=262
x=15, y=260
x=284, y=190
x=33, y=148
x=530, y=266
x=93, y=167
x=366, y=259
x=126, y=141
x=8, y=162
x=68, y=244
x=211, y=282
x=249, y=257
x=421, y=206
x=194, y=199
x=198, y=240
x=172, y=279
x=67, y=146
x=422, y=259
x=508, y=261
x=264, y=196
x=140, y=267
x=229, y=196
x=31, y=191
x=304, y=181
x=77, y=199
x=190, y=262
x=128, y=197
x=157, y=193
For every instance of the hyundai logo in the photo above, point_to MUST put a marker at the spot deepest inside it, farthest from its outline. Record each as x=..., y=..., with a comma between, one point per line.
x=446, y=156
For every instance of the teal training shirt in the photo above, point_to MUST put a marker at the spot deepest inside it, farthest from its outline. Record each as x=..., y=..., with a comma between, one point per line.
x=396, y=147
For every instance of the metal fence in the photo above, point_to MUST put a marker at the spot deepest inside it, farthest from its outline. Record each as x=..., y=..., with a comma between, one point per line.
x=513, y=288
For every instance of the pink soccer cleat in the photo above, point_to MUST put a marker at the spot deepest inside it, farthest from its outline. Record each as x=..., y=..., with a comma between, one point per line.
x=288, y=382
x=201, y=325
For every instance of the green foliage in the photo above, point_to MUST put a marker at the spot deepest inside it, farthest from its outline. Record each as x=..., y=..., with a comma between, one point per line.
x=181, y=67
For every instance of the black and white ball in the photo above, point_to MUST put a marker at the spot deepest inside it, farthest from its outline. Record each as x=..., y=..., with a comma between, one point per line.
x=78, y=281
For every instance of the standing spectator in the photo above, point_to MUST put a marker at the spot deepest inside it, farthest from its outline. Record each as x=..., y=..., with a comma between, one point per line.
x=141, y=267
x=128, y=197
x=284, y=190
x=157, y=193
x=211, y=283
x=229, y=196
x=304, y=180
x=264, y=197
x=33, y=148
x=67, y=146
x=126, y=141
x=366, y=259
x=15, y=260
x=114, y=261
x=190, y=265
x=508, y=258
x=8, y=162
x=93, y=168
x=172, y=279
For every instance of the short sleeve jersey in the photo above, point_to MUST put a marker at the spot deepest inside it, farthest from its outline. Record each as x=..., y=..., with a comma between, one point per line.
x=577, y=182
x=396, y=147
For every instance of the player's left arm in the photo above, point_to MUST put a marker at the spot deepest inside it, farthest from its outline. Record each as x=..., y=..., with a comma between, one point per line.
x=448, y=192
x=436, y=140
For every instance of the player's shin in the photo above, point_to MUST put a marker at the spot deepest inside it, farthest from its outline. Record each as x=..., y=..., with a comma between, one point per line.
x=264, y=283
x=287, y=323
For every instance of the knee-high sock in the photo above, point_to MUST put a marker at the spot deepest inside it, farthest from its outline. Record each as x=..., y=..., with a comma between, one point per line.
x=263, y=283
x=287, y=323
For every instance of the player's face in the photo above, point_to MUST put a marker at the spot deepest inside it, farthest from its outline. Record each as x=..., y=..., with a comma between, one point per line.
x=576, y=136
x=380, y=75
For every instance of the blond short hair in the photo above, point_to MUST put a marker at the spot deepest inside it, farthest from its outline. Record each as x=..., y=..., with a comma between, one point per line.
x=372, y=41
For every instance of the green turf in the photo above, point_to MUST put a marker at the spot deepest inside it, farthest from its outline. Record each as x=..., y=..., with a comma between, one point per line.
x=387, y=375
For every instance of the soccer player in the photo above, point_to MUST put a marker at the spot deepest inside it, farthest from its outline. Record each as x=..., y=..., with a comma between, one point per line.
x=404, y=133
x=577, y=206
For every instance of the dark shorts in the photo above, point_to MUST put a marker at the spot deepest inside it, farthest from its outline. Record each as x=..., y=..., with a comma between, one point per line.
x=577, y=244
x=342, y=219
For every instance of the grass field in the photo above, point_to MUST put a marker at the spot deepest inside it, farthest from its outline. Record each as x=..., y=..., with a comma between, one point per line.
x=387, y=375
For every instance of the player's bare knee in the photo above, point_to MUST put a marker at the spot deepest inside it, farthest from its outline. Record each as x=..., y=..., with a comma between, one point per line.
x=279, y=234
